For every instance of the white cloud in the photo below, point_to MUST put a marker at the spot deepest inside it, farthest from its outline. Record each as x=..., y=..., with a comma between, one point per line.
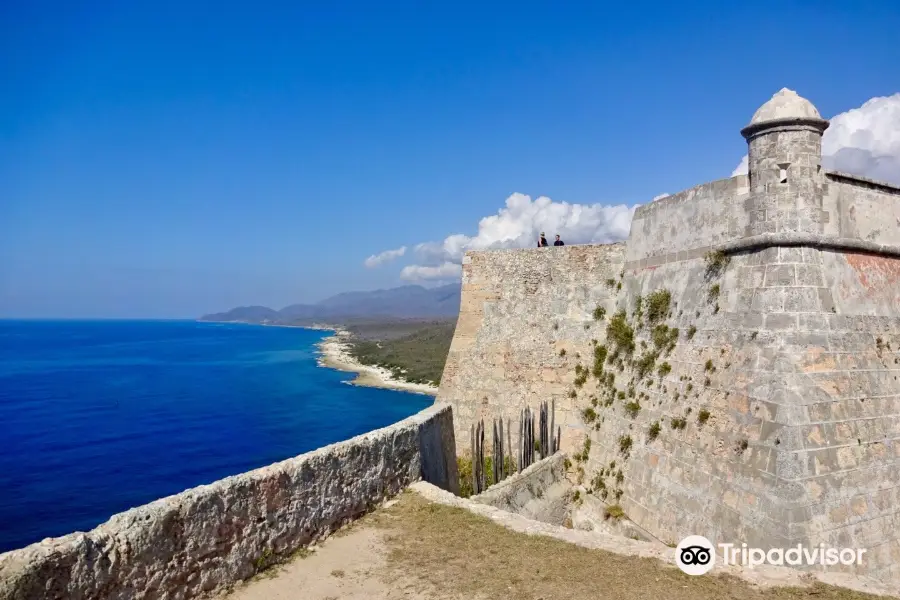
x=518, y=225
x=444, y=271
x=742, y=168
x=383, y=257
x=863, y=141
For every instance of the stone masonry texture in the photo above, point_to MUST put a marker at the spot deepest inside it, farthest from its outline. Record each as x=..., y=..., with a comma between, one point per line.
x=214, y=535
x=772, y=415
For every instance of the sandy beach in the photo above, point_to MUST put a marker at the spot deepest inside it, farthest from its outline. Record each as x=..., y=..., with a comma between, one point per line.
x=334, y=354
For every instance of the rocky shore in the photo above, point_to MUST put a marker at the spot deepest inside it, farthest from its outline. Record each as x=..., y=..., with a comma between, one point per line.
x=334, y=353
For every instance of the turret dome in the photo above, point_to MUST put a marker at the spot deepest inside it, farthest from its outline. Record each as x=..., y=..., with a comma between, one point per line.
x=785, y=104
x=785, y=109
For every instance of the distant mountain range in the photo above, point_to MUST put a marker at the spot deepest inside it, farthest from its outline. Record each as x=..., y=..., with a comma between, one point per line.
x=406, y=302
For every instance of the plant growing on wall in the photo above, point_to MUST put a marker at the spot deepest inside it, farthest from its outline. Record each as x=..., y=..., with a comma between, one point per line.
x=658, y=306
x=621, y=334
x=716, y=263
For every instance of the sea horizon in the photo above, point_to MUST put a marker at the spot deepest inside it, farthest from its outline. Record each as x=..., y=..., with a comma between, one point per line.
x=104, y=415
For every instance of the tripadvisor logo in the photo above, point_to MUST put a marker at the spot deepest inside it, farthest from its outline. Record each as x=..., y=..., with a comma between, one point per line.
x=695, y=555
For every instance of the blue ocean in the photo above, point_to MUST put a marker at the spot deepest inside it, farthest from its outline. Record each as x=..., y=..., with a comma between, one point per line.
x=97, y=417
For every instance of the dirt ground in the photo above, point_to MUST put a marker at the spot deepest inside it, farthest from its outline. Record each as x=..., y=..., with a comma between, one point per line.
x=415, y=550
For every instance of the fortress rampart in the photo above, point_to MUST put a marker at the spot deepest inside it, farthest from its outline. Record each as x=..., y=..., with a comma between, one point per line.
x=742, y=381
x=214, y=535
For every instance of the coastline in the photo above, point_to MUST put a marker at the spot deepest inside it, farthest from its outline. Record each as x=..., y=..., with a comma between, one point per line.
x=334, y=353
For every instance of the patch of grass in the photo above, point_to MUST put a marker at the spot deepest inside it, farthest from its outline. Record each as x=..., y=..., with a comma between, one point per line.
x=620, y=333
x=653, y=431
x=562, y=352
x=338, y=573
x=644, y=365
x=664, y=369
x=716, y=263
x=600, y=354
x=664, y=337
x=589, y=415
x=625, y=443
x=741, y=446
x=709, y=367
x=614, y=511
x=678, y=423
x=585, y=451
x=658, y=305
x=691, y=331
x=632, y=409
x=264, y=560
x=703, y=416
x=610, y=282
x=599, y=313
x=713, y=293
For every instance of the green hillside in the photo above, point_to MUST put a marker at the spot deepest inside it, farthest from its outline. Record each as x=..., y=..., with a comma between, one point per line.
x=421, y=354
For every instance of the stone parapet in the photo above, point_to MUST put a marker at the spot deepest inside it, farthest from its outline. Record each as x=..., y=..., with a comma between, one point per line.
x=215, y=535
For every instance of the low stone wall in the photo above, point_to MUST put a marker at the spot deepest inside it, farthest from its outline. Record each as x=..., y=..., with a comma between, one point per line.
x=540, y=492
x=213, y=535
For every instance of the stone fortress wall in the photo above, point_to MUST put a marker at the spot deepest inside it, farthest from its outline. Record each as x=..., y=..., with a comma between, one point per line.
x=771, y=416
x=214, y=535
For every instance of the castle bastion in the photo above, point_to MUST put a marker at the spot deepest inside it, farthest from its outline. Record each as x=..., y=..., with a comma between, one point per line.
x=735, y=363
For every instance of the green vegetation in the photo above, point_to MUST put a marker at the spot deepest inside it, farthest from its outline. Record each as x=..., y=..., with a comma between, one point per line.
x=664, y=337
x=691, y=331
x=600, y=353
x=703, y=416
x=589, y=415
x=708, y=367
x=678, y=423
x=625, y=443
x=585, y=451
x=581, y=375
x=645, y=364
x=653, y=431
x=658, y=305
x=716, y=263
x=620, y=333
x=562, y=352
x=633, y=408
x=614, y=511
x=664, y=369
x=464, y=466
x=599, y=313
x=417, y=357
x=713, y=293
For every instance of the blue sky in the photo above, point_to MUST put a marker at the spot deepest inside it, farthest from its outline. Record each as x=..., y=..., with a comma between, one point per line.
x=158, y=160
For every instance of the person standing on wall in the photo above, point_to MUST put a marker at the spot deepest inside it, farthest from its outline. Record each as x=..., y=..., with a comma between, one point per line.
x=542, y=242
x=558, y=241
